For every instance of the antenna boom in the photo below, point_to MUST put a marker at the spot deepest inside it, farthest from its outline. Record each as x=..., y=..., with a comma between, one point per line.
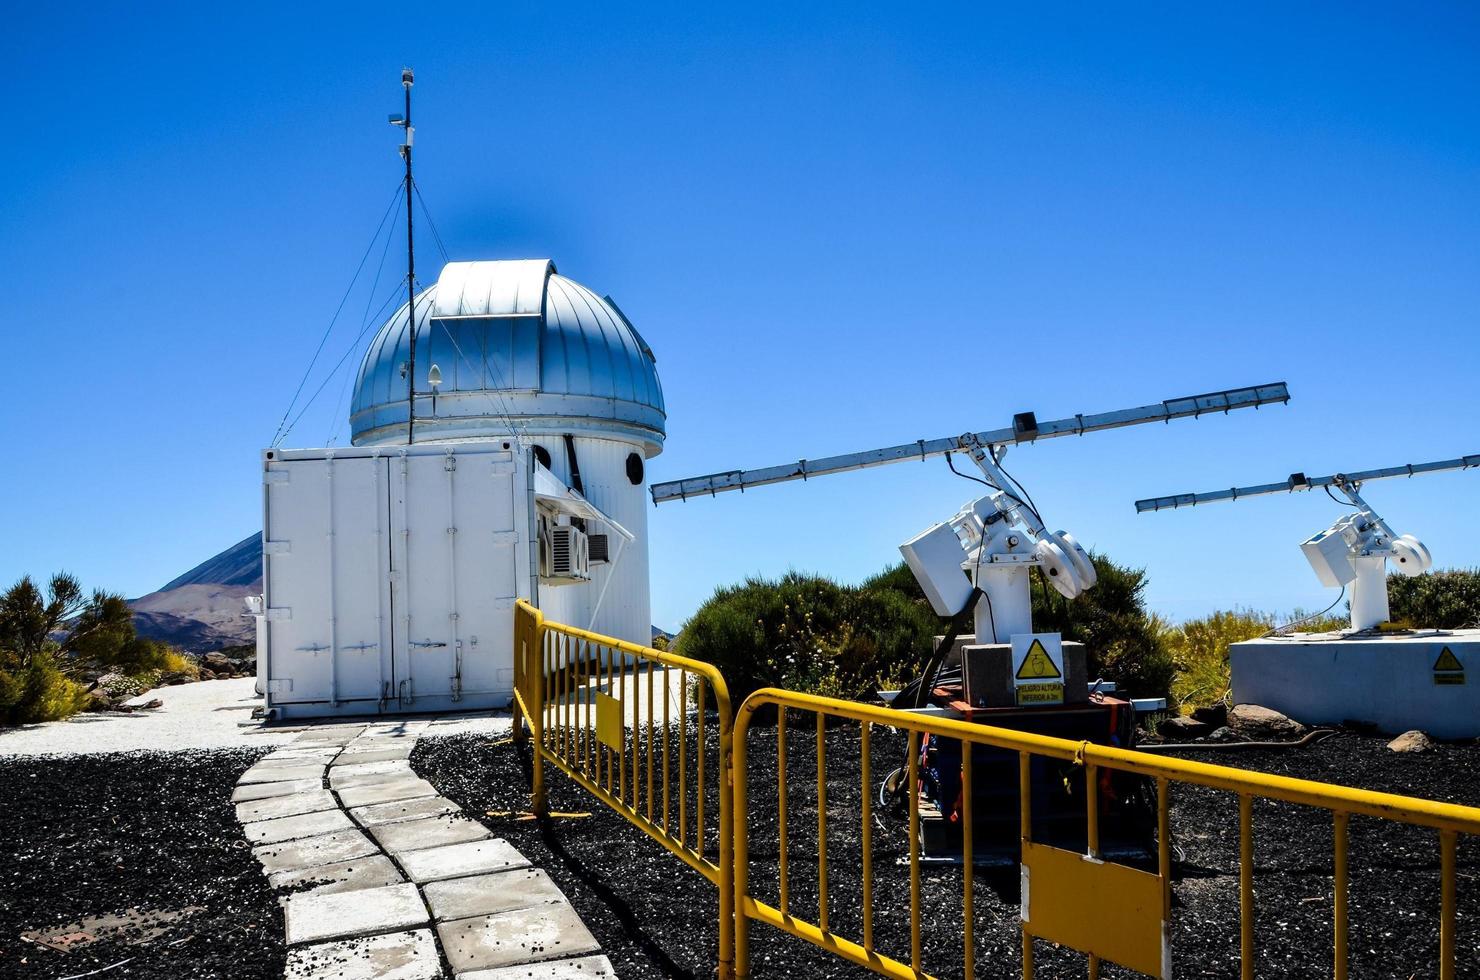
x=1297, y=483
x=1190, y=406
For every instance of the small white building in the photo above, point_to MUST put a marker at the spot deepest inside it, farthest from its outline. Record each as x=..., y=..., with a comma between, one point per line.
x=391, y=568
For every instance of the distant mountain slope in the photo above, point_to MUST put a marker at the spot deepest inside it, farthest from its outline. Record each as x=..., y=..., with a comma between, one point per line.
x=241, y=564
x=203, y=609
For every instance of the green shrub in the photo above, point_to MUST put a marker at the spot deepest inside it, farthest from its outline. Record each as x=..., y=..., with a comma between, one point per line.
x=1440, y=600
x=807, y=633
x=1199, y=649
x=43, y=637
x=43, y=693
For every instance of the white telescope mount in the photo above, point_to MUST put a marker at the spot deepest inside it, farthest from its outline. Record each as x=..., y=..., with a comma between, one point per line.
x=1353, y=552
x=997, y=540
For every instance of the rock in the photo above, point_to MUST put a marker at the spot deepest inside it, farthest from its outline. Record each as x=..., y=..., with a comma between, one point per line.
x=1213, y=715
x=1259, y=724
x=216, y=660
x=206, y=674
x=1182, y=729
x=174, y=678
x=1224, y=734
x=98, y=700
x=151, y=703
x=1414, y=741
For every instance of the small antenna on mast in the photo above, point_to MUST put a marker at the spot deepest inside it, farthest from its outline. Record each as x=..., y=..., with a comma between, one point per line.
x=404, y=122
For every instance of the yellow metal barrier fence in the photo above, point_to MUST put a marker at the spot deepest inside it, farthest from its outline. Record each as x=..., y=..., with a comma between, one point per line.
x=1108, y=911
x=605, y=713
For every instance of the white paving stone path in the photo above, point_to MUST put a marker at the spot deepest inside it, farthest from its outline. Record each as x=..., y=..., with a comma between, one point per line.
x=401, y=885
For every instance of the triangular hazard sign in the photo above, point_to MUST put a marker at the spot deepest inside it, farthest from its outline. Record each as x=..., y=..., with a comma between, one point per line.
x=1038, y=665
x=1448, y=661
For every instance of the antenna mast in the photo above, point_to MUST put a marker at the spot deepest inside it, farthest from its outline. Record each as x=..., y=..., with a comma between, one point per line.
x=405, y=123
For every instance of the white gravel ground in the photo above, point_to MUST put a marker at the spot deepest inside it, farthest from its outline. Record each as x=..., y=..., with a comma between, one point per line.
x=206, y=715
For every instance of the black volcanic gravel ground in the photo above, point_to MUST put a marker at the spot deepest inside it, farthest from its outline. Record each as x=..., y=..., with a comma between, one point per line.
x=84, y=836
x=655, y=917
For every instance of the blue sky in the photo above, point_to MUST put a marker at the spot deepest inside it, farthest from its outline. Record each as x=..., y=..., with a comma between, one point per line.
x=837, y=228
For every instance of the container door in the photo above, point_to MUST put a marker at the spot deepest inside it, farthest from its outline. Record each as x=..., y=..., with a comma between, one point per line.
x=421, y=525
x=325, y=572
x=486, y=503
x=453, y=546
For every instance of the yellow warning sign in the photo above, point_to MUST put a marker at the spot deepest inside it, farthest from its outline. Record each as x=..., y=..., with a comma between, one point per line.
x=1038, y=665
x=1448, y=661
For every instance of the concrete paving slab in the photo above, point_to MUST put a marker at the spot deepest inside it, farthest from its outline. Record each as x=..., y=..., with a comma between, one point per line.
x=583, y=968
x=276, y=774
x=273, y=760
x=400, y=788
x=417, y=835
x=364, y=743
x=299, y=825
x=464, y=898
x=300, y=751
x=311, y=852
x=369, y=772
x=549, y=932
x=328, y=736
x=407, y=727
x=313, y=916
x=263, y=791
x=285, y=806
x=396, y=956
x=457, y=860
x=427, y=806
x=352, y=757
x=341, y=876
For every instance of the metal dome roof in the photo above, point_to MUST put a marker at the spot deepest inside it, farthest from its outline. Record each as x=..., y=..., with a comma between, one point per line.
x=520, y=349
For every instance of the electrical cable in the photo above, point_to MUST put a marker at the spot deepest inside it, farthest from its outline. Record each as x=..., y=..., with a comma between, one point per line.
x=967, y=476
x=1344, y=503
x=1278, y=630
x=436, y=235
x=335, y=318
x=354, y=345
x=1020, y=488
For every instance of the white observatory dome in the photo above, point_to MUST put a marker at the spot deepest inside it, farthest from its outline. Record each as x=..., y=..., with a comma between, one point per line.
x=517, y=348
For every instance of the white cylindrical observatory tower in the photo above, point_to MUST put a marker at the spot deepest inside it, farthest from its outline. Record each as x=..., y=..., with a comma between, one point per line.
x=526, y=354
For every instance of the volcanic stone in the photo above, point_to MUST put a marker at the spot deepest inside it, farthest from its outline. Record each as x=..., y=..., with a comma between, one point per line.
x=1260, y=724
x=1413, y=741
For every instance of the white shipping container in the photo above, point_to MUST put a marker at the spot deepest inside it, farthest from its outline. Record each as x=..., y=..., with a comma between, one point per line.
x=390, y=577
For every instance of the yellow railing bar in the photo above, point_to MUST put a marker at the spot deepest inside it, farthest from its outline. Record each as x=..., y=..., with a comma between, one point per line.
x=1339, y=886
x=1246, y=885
x=868, y=837
x=547, y=654
x=1342, y=802
x=968, y=864
x=1447, y=842
x=821, y=823
x=783, y=856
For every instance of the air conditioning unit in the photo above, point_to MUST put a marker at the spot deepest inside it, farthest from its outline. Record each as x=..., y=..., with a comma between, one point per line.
x=565, y=556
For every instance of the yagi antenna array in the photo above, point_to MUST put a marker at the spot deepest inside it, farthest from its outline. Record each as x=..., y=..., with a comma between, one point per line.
x=1299, y=481
x=1025, y=428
